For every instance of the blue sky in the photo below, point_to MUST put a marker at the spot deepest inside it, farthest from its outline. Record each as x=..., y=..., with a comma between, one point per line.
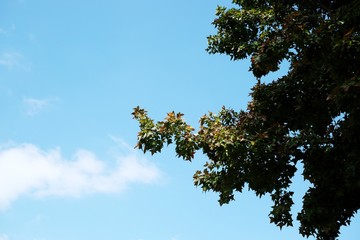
x=70, y=74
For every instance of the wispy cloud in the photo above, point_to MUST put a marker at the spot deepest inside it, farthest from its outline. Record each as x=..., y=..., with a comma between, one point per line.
x=14, y=60
x=32, y=37
x=2, y=32
x=25, y=169
x=5, y=32
x=4, y=237
x=34, y=106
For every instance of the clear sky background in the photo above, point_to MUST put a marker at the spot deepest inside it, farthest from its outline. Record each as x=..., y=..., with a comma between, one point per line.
x=71, y=71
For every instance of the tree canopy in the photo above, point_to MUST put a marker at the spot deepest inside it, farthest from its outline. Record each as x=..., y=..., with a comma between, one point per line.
x=310, y=115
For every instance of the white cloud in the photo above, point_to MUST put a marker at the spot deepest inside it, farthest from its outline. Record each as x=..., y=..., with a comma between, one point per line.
x=4, y=237
x=34, y=106
x=26, y=169
x=12, y=60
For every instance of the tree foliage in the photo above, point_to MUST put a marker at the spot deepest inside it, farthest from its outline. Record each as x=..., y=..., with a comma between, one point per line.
x=311, y=115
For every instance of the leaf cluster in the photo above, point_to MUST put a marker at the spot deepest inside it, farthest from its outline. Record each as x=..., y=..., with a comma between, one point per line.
x=311, y=115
